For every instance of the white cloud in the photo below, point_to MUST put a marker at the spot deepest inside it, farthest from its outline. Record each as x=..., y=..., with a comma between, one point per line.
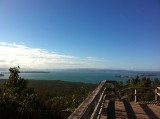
x=95, y=59
x=12, y=54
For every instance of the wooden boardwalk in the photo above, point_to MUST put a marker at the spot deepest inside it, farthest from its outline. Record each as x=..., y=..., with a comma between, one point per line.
x=129, y=110
x=108, y=103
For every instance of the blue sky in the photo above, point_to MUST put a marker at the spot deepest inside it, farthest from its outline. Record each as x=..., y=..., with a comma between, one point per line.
x=111, y=34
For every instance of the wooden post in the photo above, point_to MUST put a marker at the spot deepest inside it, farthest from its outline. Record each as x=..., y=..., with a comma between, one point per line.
x=135, y=97
x=156, y=94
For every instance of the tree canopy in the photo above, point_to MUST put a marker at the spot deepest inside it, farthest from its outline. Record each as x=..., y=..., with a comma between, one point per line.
x=19, y=101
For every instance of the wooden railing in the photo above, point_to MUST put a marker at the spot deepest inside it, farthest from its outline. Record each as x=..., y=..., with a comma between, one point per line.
x=154, y=92
x=90, y=107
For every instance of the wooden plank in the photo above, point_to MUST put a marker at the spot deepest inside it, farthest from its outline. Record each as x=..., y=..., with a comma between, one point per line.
x=104, y=110
x=155, y=109
x=158, y=94
x=98, y=106
x=120, y=110
x=138, y=111
x=82, y=112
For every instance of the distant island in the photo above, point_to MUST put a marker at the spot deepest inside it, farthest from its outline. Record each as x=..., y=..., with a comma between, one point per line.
x=124, y=76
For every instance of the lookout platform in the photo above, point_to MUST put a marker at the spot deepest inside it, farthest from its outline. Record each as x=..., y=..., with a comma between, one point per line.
x=108, y=103
x=114, y=109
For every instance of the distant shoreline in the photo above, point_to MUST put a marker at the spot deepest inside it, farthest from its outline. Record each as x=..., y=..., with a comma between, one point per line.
x=34, y=72
x=142, y=75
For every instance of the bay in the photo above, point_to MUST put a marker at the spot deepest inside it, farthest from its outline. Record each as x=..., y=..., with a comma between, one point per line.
x=86, y=76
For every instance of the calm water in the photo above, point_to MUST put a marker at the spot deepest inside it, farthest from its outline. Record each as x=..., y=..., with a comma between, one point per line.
x=76, y=76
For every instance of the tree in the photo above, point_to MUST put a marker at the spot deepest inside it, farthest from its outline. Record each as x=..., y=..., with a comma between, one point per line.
x=135, y=81
x=17, y=101
x=15, y=84
x=156, y=82
x=145, y=82
x=119, y=85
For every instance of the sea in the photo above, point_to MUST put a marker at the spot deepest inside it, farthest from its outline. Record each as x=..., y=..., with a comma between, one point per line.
x=80, y=75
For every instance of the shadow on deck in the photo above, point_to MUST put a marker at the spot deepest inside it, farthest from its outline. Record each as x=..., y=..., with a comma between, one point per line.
x=99, y=105
x=124, y=110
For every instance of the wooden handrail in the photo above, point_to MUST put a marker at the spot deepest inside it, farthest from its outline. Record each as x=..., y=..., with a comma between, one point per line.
x=138, y=88
x=98, y=106
x=91, y=106
x=85, y=108
x=140, y=94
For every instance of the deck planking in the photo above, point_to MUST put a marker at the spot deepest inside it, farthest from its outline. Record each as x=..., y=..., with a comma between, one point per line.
x=129, y=110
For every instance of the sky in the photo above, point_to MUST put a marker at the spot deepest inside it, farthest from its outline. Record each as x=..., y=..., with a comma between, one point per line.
x=104, y=34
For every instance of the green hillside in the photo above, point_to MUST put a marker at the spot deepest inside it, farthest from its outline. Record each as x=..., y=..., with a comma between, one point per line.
x=57, y=87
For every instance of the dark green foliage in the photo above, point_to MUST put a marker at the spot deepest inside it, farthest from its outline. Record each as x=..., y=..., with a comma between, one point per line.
x=143, y=82
x=17, y=100
x=64, y=105
x=60, y=88
x=156, y=82
x=47, y=100
x=135, y=81
x=119, y=85
x=15, y=85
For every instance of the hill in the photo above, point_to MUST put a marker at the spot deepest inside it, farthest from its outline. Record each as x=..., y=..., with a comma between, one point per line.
x=57, y=87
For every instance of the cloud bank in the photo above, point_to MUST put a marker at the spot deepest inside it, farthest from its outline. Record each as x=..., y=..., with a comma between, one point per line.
x=12, y=54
